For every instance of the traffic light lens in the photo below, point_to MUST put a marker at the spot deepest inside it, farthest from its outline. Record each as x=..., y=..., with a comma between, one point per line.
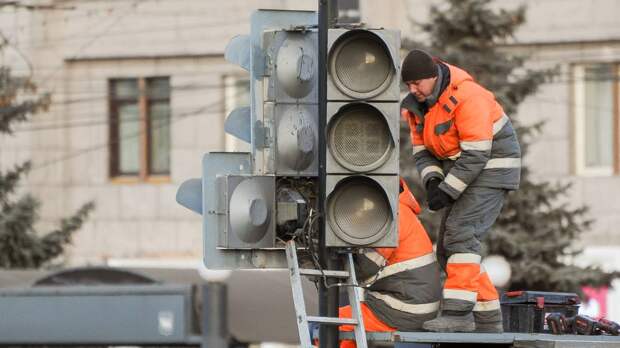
x=362, y=65
x=360, y=138
x=360, y=213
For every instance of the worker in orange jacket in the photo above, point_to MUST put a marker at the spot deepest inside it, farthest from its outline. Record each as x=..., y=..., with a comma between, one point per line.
x=468, y=157
x=403, y=286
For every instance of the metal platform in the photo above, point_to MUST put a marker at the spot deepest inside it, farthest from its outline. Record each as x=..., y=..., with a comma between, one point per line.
x=509, y=339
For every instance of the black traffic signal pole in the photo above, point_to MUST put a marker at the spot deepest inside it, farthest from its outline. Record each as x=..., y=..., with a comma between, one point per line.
x=328, y=297
x=214, y=322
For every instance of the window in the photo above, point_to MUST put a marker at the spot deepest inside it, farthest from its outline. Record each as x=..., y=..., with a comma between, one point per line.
x=140, y=127
x=596, y=119
x=237, y=94
x=348, y=11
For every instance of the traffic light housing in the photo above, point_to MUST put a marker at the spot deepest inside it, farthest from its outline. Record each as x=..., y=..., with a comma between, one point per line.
x=251, y=202
x=362, y=138
x=291, y=104
x=363, y=64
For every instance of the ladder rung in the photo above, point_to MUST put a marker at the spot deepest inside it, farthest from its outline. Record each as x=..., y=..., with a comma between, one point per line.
x=316, y=272
x=332, y=321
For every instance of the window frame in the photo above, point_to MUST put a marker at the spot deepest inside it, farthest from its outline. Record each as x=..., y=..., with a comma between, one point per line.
x=579, y=141
x=143, y=101
x=149, y=135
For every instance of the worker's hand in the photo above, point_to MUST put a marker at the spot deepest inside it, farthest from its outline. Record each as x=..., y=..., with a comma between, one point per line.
x=436, y=197
x=432, y=187
x=404, y=113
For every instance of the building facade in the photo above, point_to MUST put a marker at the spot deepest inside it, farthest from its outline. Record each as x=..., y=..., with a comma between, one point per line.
x=140, y=91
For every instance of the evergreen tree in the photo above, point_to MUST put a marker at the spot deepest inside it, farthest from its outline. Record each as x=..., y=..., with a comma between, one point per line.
x=537, y=233
x=21, y=246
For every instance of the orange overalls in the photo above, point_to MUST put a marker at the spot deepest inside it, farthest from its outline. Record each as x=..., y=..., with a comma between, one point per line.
x=466, y=141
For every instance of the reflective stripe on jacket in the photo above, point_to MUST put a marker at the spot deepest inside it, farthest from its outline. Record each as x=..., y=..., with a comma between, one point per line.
x=465, y=138
x=405, y=288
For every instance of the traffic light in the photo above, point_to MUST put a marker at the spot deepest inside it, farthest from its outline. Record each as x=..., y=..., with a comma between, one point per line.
x=251, y=202
x=291, y=104
x=362, y=138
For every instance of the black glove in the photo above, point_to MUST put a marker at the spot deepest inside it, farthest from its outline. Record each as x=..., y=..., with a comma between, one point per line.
x=436, y=197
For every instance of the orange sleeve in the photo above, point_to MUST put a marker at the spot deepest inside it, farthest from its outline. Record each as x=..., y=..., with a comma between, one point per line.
x=416, y=138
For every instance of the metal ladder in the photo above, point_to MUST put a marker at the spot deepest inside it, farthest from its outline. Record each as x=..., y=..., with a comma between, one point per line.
x=300, y=306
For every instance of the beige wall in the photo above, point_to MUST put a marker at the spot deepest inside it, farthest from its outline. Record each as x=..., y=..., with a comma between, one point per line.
x=76, y=51
x=558, y=33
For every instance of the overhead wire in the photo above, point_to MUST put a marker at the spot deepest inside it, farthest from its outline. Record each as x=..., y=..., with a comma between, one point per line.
x=99, y=119
x=81, y=96
x=555, y=77
x=92, y=119
x=73, y=12
x=19, y=52
x=92, y=40
x=86, y=123
x=106, y=32
x=139, y=133
x=76, y=38
x=83, y=47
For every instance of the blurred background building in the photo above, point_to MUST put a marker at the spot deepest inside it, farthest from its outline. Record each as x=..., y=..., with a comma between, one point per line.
x=140, y=90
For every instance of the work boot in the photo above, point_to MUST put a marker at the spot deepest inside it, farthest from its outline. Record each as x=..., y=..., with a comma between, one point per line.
x=489, y=321
x=496, y=327
x=451, y=322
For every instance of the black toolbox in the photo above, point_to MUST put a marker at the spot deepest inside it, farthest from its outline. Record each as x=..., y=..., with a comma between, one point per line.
x=526, y=311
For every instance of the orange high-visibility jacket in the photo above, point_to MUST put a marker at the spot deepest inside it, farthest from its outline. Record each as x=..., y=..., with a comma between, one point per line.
x=464, y=138
x=405, y=288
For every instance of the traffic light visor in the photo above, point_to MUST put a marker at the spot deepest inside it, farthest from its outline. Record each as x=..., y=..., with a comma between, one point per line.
x=250, y=201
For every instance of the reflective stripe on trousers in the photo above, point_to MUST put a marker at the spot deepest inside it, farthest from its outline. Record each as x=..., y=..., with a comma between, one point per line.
x=463, y=270
x=413, y=308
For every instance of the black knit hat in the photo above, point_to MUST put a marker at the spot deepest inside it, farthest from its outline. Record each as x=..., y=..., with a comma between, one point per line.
x=418, y=65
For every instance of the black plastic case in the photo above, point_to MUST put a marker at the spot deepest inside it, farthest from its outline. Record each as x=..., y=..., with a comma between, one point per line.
x=526, y=311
